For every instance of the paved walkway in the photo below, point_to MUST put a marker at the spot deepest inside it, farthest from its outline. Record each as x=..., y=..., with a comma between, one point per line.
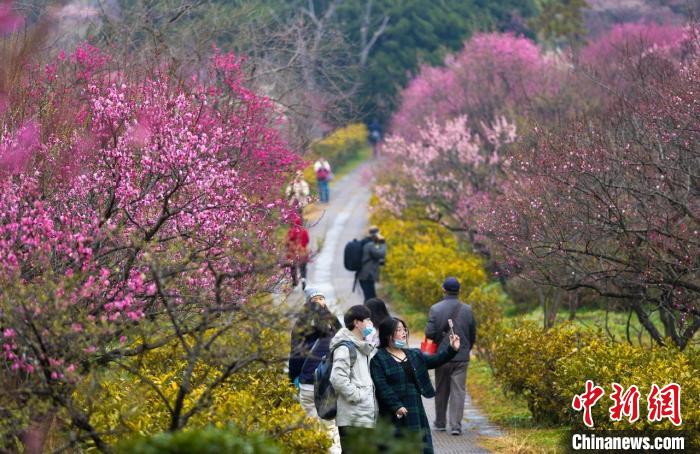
x=345, y=218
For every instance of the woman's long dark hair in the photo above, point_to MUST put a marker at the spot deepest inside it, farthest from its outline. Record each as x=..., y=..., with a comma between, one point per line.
x=378, y=309
x=387, y=328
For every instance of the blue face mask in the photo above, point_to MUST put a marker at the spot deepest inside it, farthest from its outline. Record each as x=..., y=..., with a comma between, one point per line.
x=367, y=331
x=398, y=343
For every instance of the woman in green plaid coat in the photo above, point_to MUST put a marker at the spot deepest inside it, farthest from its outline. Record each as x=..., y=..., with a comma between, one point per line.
x=400, y=378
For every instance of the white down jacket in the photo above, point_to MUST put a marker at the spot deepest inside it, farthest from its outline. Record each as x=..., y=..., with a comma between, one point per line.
x=357, y=406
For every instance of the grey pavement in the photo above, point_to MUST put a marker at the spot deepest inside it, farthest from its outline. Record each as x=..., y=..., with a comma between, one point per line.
x=345, y=218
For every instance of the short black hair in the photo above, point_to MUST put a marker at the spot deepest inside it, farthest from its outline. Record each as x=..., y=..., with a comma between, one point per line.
x=357, y=312
x=387, y=328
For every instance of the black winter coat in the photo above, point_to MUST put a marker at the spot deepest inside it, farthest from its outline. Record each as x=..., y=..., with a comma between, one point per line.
x=395, y=390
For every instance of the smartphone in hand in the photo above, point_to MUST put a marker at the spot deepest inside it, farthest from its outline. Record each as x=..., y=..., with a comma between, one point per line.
x=451, y=325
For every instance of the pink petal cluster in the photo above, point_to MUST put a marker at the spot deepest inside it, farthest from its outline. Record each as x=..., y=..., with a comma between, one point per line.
x=9, y=19
x=595, y=192
x=493, y=74
x=150, y=194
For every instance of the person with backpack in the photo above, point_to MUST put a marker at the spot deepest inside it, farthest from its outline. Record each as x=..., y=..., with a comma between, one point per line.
x=451, y=378
x=350, y=376
x=297, y=250
x=400, y=376
x=323, y=177
x=298, y=193
x=311, y=337
x=373, y=256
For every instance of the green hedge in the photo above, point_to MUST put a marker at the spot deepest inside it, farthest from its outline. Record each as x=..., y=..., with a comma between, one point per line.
x=209, y=440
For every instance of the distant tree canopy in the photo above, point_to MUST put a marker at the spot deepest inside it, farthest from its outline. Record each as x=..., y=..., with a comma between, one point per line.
x=327, y=61
x=421, y=32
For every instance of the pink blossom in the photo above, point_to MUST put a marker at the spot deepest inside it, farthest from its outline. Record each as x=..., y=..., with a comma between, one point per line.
x=9, y=20
x=149, y=183
x=492, y=74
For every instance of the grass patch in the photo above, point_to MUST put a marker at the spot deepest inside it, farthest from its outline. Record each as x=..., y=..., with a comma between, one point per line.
x=526, y=441
x=510, y=412
x=595, y=319
x=362, y=155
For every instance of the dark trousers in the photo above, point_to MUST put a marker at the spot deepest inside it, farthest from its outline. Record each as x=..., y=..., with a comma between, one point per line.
x=368, y=289
x=299, y=268
x=450, y=380
x=350, y=437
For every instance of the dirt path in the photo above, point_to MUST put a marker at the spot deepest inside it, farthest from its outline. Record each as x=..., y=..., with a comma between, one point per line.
x=345, y=218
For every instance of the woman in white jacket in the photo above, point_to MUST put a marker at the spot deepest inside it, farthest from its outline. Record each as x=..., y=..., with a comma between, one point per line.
x=350, y=376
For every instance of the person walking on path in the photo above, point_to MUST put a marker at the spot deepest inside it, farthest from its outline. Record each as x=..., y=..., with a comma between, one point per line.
x=298, y=193
x=374, y=136
x=297, y=250
x=373, y=256
x=323, y=177
x=311, y=337
x=400, y=376
x=351, y=379
x=450, y=378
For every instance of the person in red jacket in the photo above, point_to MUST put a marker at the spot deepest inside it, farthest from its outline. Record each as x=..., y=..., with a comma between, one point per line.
x=297, y=250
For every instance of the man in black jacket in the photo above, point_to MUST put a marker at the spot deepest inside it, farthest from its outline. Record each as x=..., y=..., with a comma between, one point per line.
x=451, y=378
x=373, y=256
x=311, y=337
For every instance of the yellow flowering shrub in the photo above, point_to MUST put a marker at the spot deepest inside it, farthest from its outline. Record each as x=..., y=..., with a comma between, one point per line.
x=341, y=145
x=525, y=361
x=550, y=367
x=420, y=255
x=338, y=147
x=256, y=399
x=487, y=303
x=605, y=363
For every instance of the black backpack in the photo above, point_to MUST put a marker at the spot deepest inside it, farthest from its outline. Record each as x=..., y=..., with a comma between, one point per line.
x=325, y=398
x=352, y=256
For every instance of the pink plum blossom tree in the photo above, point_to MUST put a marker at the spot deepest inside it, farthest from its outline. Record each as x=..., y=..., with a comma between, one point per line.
x=494, y=74
x=601, y=199
x=609, y=203
x=135, y=211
